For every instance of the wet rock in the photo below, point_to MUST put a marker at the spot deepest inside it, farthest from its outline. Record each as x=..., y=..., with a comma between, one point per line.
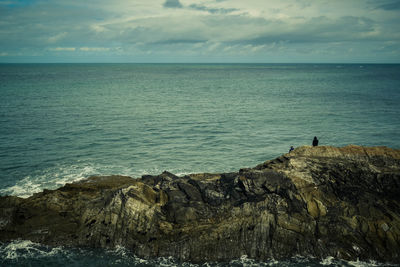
x=319, y=201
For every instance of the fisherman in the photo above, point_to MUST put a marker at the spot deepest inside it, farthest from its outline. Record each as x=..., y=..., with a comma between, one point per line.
x=291, y=149
x=315, y=141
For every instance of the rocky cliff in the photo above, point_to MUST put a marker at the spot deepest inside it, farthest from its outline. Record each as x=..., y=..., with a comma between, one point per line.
x=314, y=201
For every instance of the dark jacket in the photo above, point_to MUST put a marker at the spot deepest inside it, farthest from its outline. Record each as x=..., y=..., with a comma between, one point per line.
x=315, y=141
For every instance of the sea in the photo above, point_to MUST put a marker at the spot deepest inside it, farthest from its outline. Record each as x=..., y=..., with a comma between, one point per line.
x=61, y=123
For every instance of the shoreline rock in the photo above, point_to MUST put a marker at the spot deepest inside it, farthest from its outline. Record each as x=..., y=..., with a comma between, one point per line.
x=315, y=201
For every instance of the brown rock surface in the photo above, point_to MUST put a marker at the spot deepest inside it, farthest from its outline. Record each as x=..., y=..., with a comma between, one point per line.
x=315, y=201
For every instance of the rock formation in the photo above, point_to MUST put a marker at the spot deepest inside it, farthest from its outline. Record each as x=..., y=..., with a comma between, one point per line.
x=314, y=201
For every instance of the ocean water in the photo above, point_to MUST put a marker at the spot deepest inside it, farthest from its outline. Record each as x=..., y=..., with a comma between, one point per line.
x=26, y=253
x=63, y=122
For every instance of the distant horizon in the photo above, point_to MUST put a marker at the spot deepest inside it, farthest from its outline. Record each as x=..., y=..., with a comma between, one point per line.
x=212, y=63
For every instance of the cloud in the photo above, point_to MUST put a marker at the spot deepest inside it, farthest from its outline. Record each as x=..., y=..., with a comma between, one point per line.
x=179, y=41
x=15, y=3
x=57, y=37
x=229, y=29
x=94, y=49
x=62, y=49
x=390, y=6
x=172, y=4
x=213, y=10
x=314, y=30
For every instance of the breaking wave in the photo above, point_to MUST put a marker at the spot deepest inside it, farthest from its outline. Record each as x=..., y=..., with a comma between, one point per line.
x=55, y=177
x=27, y=253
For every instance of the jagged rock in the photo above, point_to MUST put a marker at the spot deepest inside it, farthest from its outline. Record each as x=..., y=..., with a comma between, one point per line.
x=318, y=201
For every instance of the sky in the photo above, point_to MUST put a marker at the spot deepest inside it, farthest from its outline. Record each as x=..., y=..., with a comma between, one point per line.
x=204, y=31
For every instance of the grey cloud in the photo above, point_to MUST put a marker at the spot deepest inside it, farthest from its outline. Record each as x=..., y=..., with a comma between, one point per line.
x=152, y=36
x=318, y=30
x=177, y=4
x=241, y=30
x=172, y=4
x=393, y=5
x=39, y=26
x=180, y=41
x=213, y=10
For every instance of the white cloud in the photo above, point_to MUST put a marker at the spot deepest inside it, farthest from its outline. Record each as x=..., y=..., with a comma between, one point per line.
x=57, y=37
x=98, y=28
x=94, y=49
x=213, y=46
x=62, y=49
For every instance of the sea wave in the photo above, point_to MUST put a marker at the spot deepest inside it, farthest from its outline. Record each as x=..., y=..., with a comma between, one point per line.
x=25, y=249
x=27, y=253
x=49, y=178
x=58, y=176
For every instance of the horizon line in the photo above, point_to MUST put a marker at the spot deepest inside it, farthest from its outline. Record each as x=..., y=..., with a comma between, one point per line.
x=216, y=63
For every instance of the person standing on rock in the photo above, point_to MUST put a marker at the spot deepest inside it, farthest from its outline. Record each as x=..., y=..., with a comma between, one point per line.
x=291, y=149
x=315, y=141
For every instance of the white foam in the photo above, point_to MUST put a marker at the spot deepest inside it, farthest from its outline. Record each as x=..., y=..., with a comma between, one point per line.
x=245, y=261
x=48, y=179
x=26, y=249
x=327, y=261
x=59, y=175
x=23, y=188
x=166, y=261
x=359, y=263
x=331, y=261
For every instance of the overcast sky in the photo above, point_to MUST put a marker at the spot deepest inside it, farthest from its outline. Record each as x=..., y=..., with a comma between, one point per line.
x=270, y=31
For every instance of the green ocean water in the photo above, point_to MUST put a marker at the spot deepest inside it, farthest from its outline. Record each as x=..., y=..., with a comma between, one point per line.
x=63, y=122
